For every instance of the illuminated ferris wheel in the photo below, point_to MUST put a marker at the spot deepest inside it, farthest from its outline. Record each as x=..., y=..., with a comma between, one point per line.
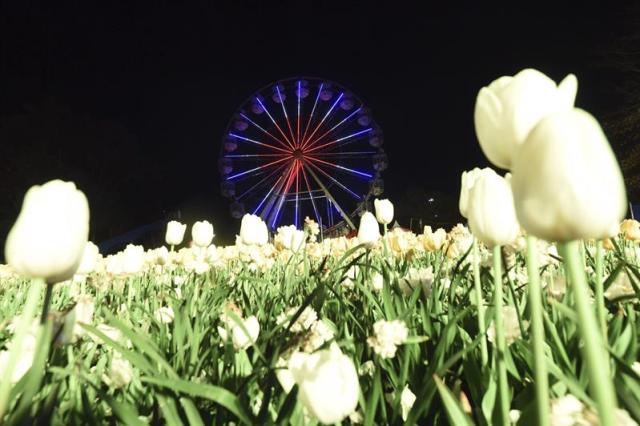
x=302, y=147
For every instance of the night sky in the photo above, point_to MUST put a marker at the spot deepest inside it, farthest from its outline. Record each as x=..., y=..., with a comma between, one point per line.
x=131, y=102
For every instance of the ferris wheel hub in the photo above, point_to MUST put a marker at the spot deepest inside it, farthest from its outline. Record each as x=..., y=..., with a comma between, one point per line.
x=298, y=154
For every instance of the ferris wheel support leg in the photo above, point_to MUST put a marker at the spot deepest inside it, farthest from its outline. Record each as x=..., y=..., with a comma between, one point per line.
x=330, y=197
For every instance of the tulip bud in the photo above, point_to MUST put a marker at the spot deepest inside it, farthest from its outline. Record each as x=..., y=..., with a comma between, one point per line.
x=48, y=238
x=175, y=233
x=510, y=107
x=566, y=181
x=253, y=231
x=384, y=211
x=202, y=233
x=492, y=216
x=328, y=384
x=368, y=232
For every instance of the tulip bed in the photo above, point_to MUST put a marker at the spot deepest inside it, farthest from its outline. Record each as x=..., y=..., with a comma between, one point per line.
x=164, y=345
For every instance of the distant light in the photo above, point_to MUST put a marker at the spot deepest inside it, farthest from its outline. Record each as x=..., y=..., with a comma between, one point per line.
x=430, y=200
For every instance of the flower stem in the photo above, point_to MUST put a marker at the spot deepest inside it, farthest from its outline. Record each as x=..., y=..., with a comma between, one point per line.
x=47, y=302
x=594, y=352
x=600, y=309
x=484, y=352
x=503, y=385
x=541, y=380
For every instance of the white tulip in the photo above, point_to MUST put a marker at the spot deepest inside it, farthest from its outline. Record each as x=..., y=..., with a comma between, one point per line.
x=175, y=233
x=48, y=238
x=468, y=179
x=90, y=256
x=120, y=372
x=328, y=384
x=566, y=181
x=507, y=110
x=384, y=211
x=492, y=216
x=407, y=399
x=165, y=314
x=369, y=231
x=253, y=230
x=82, y=313
x=290, y=237
x=202, y=233
x=433, y=240
x=132, y=259
x=240, y=338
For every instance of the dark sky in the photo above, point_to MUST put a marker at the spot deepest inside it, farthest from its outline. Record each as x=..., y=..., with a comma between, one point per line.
x=131, y=101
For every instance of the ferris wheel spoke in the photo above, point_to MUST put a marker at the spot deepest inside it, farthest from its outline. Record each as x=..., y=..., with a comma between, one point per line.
x=299, y=95
x=345, y=155
x=330, y=197
x=313, y=110
x=264, y=131
x=344, y=120
x=261, y=181
x=274, y=122
x=267, y=196
x=272, y=195
x=311, y=197
x=343, y=168
x=289, y=181
x=255, y=142
x=256, y=169
x=240, y=156
x=337, y=182
x=339, y=140
x=286, y=116
x=304, y=142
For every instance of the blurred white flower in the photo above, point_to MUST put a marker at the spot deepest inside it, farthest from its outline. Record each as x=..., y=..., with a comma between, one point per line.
x=510, y=324
x=568, y=150
x=407, y=399
x=202, y=233
x=417, y=278
x=305, y=321
x=384, y=211
x=120, y=372
x=492, y=216
x=133, y=259
x=369, y=231
x=507, y=110
x=433, y=241
x=387, y=336
x=319, y=334
x=164, y=314
x=328, y=384
x=175, y=233
x=311, y=227
x=377, y=281
x=242, y=339
x=82, y=313
x=290, y=237
x=49, y=236
x=253, y=230
x=467, y=181
x=90, y=257
x=620, y=287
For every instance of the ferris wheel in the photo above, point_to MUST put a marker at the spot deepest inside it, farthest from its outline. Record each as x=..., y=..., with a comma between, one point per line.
x=302, y=147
